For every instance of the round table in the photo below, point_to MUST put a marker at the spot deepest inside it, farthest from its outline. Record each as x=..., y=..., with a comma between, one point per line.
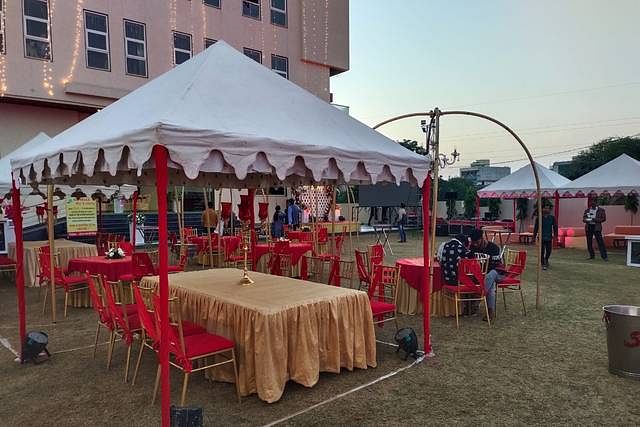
x=410, y=284
x=111, y=269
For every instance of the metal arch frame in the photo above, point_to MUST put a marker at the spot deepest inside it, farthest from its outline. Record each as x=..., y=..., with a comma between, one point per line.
x=436, y=113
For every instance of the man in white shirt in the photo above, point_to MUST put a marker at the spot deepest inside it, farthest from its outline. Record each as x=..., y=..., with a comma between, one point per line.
x=402, y=221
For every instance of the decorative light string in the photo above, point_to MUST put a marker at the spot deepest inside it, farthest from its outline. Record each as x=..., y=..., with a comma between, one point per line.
x=47, y=79
x=304, y=44
x=76, y=43
x=3, y=64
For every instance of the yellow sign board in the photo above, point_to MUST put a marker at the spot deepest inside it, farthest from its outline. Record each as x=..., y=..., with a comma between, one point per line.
x=82, y=218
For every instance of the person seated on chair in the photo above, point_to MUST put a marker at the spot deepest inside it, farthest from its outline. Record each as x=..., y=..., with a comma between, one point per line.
x=494, y=272
x=452, y=252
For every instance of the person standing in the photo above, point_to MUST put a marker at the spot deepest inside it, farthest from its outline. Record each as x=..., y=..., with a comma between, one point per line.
x=277, y=225
x=209, y=217
x=593, y=218
x=402, y=222
x=548, y=236
x=293, y=214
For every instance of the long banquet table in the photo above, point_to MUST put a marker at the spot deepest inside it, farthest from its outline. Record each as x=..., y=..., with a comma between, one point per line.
x=284, y=329
x=67, y=250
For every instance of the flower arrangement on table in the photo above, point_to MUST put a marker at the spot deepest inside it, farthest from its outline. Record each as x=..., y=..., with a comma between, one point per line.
x=115, y=253
x=140, y=218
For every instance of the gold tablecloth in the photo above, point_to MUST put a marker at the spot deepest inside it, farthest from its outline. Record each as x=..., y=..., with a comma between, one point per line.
x=66, y=249
x=408, y=302
x=284, y=329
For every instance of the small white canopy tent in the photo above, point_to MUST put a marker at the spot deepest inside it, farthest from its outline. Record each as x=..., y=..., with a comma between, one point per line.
x=521, y=184
x=38, y=142
x=219, y=119
x=620, y=176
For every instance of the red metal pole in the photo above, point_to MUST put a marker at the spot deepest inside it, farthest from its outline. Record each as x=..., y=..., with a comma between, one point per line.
x=477, y=211
x=161, y=157
x=134, y=230
x=252, y=224
x=428, y=270
x=556, y=210
x=17, y=226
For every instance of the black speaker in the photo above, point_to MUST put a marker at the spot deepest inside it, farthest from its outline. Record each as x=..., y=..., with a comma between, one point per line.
x=451, y=195
x=186, y=416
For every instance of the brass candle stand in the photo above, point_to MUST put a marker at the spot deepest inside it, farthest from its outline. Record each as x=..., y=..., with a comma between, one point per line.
x=246, y=280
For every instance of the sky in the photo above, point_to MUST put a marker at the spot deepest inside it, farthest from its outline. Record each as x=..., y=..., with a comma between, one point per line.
x=563, y=74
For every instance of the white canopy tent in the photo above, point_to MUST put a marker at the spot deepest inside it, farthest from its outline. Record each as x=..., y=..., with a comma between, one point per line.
x=39, y=142
x=219, y=119
x=620, y=176
x=225, y=120
x=521, y=184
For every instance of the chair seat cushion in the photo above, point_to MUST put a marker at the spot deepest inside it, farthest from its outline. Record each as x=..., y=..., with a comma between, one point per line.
x=5, y=261
x=201, y=344
x=190, y=328
x=508, y=281
x=76, y=280
x=381, y=307
x=465, y=289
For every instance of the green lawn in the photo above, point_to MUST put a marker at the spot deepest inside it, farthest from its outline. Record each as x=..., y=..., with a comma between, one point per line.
x=549, y=367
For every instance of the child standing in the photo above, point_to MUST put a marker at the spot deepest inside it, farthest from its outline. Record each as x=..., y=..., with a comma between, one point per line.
x=548, y=236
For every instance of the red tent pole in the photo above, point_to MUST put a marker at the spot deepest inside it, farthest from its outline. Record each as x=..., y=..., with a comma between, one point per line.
x=134, y=230
x=556, y=209
x=428, y=265
x=161, y=156
x=252, y=224
x=17, y=225
x=477, y=211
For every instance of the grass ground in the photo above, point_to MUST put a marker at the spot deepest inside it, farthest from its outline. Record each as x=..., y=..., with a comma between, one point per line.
x=549, y=367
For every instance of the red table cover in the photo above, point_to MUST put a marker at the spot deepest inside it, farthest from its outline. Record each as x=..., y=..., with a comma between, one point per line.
x=412, y=272
x=112, y=269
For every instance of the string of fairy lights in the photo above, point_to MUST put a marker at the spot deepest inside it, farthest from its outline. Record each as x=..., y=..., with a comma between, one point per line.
x=76, y=43
x=312, y=18
x=3, y=63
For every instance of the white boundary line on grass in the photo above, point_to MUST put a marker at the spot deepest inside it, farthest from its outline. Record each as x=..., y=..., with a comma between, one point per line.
x=6, y=344
x=346, y=393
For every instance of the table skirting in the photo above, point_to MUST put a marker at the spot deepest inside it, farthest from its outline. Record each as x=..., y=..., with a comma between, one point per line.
x=284, y=329
x=66, y=249
x=409, y=300
x=296, y=250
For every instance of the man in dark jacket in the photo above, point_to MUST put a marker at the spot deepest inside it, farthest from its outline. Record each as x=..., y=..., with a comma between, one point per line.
x=548, y=235
x=593, y=218
x=494, y=271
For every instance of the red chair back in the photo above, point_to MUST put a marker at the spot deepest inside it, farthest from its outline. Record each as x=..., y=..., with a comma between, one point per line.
x=339, y=243
x=142, y=265
x=323, y=235
x=376, y=251
x=45, y=262
x=517, y=267
x=361, y=265
x=175, y=346
x=306, y=236
x=116, y=313
x=470, y=274
x=98, y=305
x=127, y=247
x=146, y=320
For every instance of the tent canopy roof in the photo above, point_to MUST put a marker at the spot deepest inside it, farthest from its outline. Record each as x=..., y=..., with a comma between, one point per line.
x=38, y=142
x=227, y=121
x=620, y=176
x=522, y=184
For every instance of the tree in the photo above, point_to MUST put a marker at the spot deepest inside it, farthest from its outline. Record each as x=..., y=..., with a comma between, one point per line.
x=603, y=152
x=470, y=203
x=631, y=205
x=452, y=210
x=494, y=208
x=413, y=146
x=457, y=185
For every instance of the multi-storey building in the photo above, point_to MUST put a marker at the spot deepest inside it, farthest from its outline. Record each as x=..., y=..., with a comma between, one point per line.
x=481, y=173
x=62, y=60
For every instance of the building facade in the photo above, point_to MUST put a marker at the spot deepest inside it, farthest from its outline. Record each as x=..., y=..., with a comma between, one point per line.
x=562, y=168
x=62, y=60
x=481, y=173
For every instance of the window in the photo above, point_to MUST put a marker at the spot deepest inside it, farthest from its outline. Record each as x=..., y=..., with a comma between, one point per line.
x=256, y=55
x=181, y=47
x=212, y=3
x=135, y=43
x=209, y=42
x=279, y=12
x=37, y=40
x=2, y=34
x=280, y=65
x=251, y=8
x=96, y=31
